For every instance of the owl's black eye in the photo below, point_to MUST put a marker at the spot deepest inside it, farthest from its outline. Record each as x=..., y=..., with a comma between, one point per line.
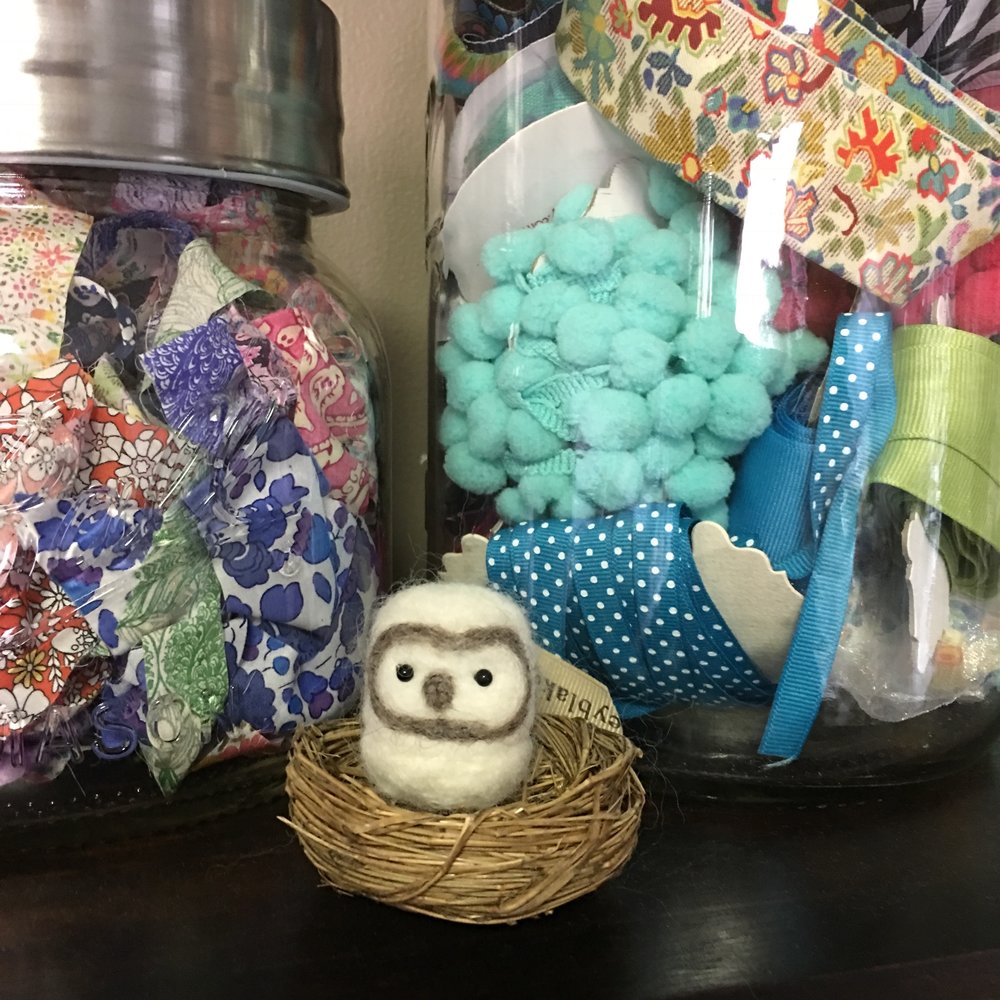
x=404, y=672
x=483, y=678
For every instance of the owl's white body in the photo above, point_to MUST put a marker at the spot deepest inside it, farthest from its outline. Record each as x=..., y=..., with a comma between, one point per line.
x=449, y=698
x=440, y=775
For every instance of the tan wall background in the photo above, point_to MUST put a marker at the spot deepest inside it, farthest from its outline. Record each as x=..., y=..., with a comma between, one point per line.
x=378, y=245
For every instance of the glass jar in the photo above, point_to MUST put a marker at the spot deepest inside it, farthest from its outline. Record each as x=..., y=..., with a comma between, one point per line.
x=714, y=374
x=193, y=510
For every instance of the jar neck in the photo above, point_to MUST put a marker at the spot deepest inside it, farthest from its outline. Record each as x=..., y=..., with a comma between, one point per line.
x=212, y=206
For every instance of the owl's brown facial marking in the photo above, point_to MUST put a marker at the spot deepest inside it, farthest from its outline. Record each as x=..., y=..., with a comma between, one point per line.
x=439, y=691
x=440, y=639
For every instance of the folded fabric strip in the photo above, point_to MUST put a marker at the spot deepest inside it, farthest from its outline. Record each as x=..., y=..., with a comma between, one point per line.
x=279, y=676
x=42, y=639
x=621, y=597
x=135, y=257
x=39, y=247
x=262, y=520
x=54, y=438
x=330, y=410
x=208, y=204
x=173, y=609
x=204, y=286
x=97, y=324
x=725, y=96
x=191, y=374
x=856, y=416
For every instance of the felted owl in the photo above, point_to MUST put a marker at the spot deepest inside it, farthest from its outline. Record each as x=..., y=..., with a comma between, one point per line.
x=449, y=698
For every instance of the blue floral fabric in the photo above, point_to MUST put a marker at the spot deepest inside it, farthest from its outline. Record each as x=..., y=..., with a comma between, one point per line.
x=91, y=546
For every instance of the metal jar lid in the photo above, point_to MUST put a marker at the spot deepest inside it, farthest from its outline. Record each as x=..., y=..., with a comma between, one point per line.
x=243, y=89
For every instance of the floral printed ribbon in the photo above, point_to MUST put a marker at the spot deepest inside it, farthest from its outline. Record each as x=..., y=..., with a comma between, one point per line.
x=39, y=247
x=959, y=37
x=725, y=96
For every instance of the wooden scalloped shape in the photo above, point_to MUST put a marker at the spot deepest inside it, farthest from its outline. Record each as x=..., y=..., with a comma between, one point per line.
x=758, y=603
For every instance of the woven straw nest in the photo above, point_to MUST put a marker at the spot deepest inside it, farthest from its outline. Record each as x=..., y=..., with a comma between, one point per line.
x=574, y=827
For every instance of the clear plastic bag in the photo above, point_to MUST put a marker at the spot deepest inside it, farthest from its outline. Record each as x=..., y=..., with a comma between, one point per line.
x=716, y=374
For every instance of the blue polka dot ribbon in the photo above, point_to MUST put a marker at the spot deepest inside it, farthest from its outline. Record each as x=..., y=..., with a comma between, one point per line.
x=856, y=417
x=621, y=598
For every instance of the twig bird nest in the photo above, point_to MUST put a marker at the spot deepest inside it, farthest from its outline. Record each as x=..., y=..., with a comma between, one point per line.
x=574, y=827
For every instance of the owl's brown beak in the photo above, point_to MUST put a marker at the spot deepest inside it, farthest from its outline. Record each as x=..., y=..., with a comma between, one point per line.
x=439, y=691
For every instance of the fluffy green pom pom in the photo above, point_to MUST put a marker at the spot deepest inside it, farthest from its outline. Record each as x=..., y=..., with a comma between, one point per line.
x=499, y=310
x=740, y=407
x=572, y=505
x=469, y=382
x=717, y=512
x=662, y=457
x=586, y=246
x=544, y=306
x=517, y=372
x=762, y=363
x=584, y=334
x=723, y=286
x=652, y=303
x=701, y=483
x=661, y=252
x=629, y=228
x=487, y=418
x=680, y=405
x=467, y=332
x=540, y=490
x=471, y=473
x=450, y=357
x=706, y=346
x=614, y=420
x=808, y=352
x=711, y=445
x=613, y=480
x=453, y=427
x=686, y=221
x=509, y=254
x=637, y=360
x=667, y=192
x=529, y=441
x=574, y=205
x=512, y=507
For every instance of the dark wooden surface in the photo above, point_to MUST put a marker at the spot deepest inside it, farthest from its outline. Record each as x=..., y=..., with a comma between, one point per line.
x=895, y=896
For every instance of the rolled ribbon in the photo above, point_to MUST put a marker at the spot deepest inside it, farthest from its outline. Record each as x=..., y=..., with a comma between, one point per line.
x=945, y=446
x=620, y=596
x=770, y=499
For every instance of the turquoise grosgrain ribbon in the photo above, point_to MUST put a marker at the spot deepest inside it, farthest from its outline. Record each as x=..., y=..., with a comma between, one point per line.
x=856, y=418
x=770, y=499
